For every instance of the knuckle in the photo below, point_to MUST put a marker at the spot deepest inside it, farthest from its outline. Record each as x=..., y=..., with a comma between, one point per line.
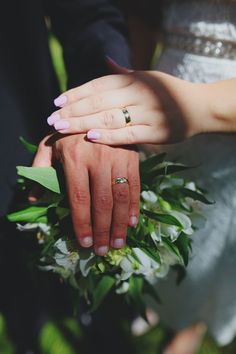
x=95, y=102
x=103, y=201
x=108, y=119
x=134, y=205
x=80, y=125
x=101, y=235
x=130, y=135
x=80, y=196
x=121, y=226
x=121, y=194
x=134, y=182
x=82, y=228
x=96, y=85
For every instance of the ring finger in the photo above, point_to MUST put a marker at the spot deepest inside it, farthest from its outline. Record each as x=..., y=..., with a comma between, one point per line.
x=113, y=119
x=121, y=200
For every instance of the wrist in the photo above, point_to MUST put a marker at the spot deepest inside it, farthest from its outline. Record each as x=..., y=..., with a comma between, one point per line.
x=222, y=106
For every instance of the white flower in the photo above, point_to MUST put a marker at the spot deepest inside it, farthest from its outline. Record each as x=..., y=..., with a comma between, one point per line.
x=184, y=220
x=66, y=258
x=170, y=231
x=86, y=261
x=156, y=235
x=33, y=226
x=69, y=261
x=171, y=182
x=149, y=196
x=124, y=287
x=191, y=186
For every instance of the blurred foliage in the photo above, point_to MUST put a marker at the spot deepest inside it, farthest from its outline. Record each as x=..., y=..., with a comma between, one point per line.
x=58, y=62
x=60, y=337
x=65, y=336
x=6, y=347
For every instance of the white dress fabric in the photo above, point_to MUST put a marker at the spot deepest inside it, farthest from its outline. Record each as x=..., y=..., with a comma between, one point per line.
x=208, y=293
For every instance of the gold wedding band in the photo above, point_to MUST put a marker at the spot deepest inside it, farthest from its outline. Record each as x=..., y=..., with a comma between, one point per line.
x=127, y=117
x=120, y=180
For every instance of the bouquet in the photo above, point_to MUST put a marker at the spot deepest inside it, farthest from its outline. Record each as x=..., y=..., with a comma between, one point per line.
x=169, y=208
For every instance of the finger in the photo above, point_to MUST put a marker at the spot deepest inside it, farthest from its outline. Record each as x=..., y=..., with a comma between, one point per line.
x=97, y=103
x=121, y=202
x=43, y=158
x=137, y=134
x=112, y=119
x=102, y=203
x=134, y=189
x=77, y=181
x=96, y=86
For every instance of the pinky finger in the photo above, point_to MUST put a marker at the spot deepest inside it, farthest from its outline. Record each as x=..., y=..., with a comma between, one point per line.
x=137, y=134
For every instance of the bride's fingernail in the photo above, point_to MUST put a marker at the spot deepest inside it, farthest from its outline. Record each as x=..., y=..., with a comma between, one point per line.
x=93, y=135
x=133, y=221
x=60, y=101
x=61, y=125
x=53, y=118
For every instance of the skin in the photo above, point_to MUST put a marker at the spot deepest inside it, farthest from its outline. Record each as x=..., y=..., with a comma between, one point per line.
x=101, y=212
x=163, y=109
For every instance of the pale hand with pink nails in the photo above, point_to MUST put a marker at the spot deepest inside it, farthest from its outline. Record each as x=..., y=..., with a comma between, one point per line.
x=53, y=119
x=60, y=101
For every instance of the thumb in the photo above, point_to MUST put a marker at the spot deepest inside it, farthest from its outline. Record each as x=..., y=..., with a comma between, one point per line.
x=43, y=158
x=115, y=68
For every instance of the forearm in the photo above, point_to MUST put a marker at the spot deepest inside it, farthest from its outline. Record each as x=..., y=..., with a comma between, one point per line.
x=203, y=108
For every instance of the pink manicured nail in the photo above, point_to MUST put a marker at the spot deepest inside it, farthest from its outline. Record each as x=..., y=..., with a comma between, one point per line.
x=118, y=243
x=53, y=118
x=93, y=135
x=86, y=241
x=133, y=221
x=61, y=125
x=60, y=101
x=101, y=251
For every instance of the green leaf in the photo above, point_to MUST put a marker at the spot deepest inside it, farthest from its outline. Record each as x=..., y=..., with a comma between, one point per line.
x=62, y=212
x=46, y=176
x=164, y=218
x=185, y=192
x=168, y=169
x=152, y=254
x=29, y=147
x=136, y=292
x=183, y=244
x=171, y=247
x=31, y=214
x=152, y=162
x=151, y=291
x=101, y=291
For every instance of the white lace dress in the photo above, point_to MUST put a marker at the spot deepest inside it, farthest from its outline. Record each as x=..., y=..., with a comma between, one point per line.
x=201, y=47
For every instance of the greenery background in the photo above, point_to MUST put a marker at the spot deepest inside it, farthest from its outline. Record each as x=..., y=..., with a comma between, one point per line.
x=66, y=335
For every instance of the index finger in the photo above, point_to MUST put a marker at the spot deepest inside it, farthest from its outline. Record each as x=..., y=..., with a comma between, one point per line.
x=77, y=181
x=93, y=87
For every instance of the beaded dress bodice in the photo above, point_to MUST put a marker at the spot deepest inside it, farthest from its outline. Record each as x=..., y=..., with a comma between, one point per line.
x=200, y=46
x=204, y=29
